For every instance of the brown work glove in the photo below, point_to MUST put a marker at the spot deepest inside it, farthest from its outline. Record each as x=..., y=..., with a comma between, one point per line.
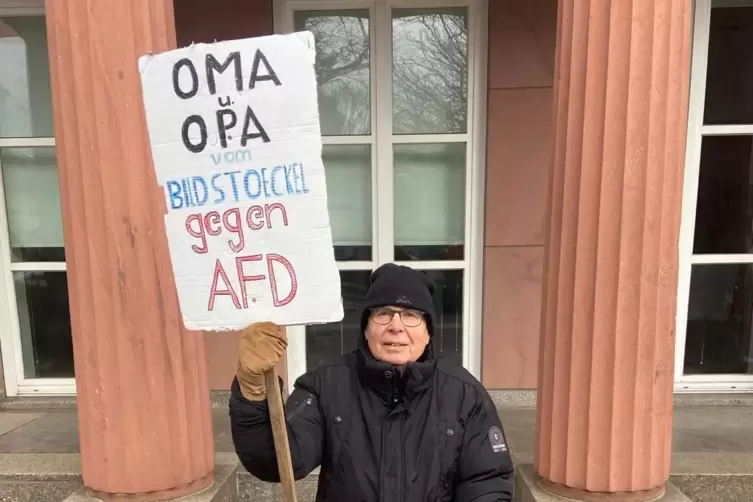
x=260, y=349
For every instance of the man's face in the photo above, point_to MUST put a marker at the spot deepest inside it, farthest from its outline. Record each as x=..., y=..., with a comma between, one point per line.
x=397, y=335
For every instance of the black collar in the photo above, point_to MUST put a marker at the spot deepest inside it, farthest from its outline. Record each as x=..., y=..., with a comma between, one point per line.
x=392, y=383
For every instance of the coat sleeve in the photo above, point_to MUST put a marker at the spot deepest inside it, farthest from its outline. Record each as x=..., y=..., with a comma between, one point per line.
x=485, y=470
x=252, y=431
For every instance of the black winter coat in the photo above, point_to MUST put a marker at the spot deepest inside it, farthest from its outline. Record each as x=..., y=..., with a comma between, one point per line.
x=431, y=433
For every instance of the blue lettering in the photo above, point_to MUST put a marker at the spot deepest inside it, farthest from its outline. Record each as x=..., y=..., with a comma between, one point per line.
x=264, y=180
x=218, y=189
x=288, y=184
x=303, y=179
x=200, y=201
x=258, y=183
x=173, y=190
x=235, y=185
x=274, y=190
x=187, y=192
x=296, y=178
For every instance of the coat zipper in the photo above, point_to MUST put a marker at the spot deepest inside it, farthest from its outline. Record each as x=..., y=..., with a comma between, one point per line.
x=382, y=473
x=401, y=467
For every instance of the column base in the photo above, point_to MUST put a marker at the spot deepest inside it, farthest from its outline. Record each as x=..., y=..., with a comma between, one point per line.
x=528, y=488
x=179, y=491
x=586, y=496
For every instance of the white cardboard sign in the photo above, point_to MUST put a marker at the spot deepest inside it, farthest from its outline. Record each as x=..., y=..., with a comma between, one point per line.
x=236, y=144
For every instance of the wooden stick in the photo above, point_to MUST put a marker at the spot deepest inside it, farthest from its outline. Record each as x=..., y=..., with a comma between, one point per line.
x=280, y=434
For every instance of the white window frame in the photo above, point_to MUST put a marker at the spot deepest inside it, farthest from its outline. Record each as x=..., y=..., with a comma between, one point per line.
x=10, y=332
x=696, y=132
x=382, y=179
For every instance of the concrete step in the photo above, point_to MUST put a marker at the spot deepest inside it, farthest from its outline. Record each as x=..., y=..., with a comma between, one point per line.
x=528, y=489
x=714, y=476
x=34, y=491
x=506, y=399
x=250, y=489
x=54, y=476
x=715, y=487
x=217, y=399
x=682, y=488
x=224, y=489
x=38, y=476
x=35, y=477
x=712, y=447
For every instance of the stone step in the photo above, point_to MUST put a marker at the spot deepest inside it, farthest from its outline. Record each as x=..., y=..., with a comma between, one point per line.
x=37, y=490
x=683, y=488
x=527, y=489
x=714, y=476
x=39, y=476
x=715, y=487
x=35, y=477
x=250, y=489
x=504, y=399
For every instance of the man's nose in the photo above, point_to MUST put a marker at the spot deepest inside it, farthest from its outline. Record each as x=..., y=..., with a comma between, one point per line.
x=396, y=323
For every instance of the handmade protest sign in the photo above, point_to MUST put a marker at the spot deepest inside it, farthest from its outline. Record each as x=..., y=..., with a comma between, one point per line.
x=236, y=145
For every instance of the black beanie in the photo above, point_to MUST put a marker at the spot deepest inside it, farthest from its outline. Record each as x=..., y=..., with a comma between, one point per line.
x=400, y=286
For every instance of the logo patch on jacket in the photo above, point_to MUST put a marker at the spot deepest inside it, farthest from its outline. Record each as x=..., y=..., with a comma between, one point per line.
x=497, y=439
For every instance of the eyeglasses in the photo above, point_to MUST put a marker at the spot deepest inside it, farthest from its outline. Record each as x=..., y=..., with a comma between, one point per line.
x=410, y=318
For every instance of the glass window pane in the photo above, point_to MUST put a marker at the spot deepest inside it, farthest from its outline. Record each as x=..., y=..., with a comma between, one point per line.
x=25, y=96
x=720, y=309
x=429, y=201
x=342, y=68
x=348, y=173
x=724, y=212
x=430, y=70
x=325, y=341
x=729, y=81
x=44, y=317
x=448, y=302
x=32, y=198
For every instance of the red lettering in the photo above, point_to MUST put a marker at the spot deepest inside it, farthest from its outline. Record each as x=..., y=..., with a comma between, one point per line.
x=268, y=211
x=213, y=215
x=239, y=261
x=199, y=234
x=273, y=281
x=219, y=271
x=235, y=227
x=257, y=217
x=249, y=217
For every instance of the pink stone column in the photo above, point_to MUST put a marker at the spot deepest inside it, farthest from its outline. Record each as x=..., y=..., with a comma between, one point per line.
x=143, y=403
x=605, y=385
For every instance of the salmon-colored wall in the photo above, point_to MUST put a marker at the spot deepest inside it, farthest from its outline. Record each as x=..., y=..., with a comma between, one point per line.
x=521, y=63
x=202, y=21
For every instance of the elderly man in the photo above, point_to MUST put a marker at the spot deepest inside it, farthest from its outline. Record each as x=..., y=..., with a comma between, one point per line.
x=389, y=422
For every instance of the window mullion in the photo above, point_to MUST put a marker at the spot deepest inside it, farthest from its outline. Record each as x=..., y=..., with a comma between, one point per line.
x=690, y=182
x=46, y=141
x=9, y=329
x=384, y=188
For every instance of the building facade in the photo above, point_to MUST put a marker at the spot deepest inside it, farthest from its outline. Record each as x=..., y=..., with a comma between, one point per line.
x=442, y=121
x=458, y=189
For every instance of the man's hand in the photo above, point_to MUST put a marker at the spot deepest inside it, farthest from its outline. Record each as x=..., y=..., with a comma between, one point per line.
x=260, y=349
